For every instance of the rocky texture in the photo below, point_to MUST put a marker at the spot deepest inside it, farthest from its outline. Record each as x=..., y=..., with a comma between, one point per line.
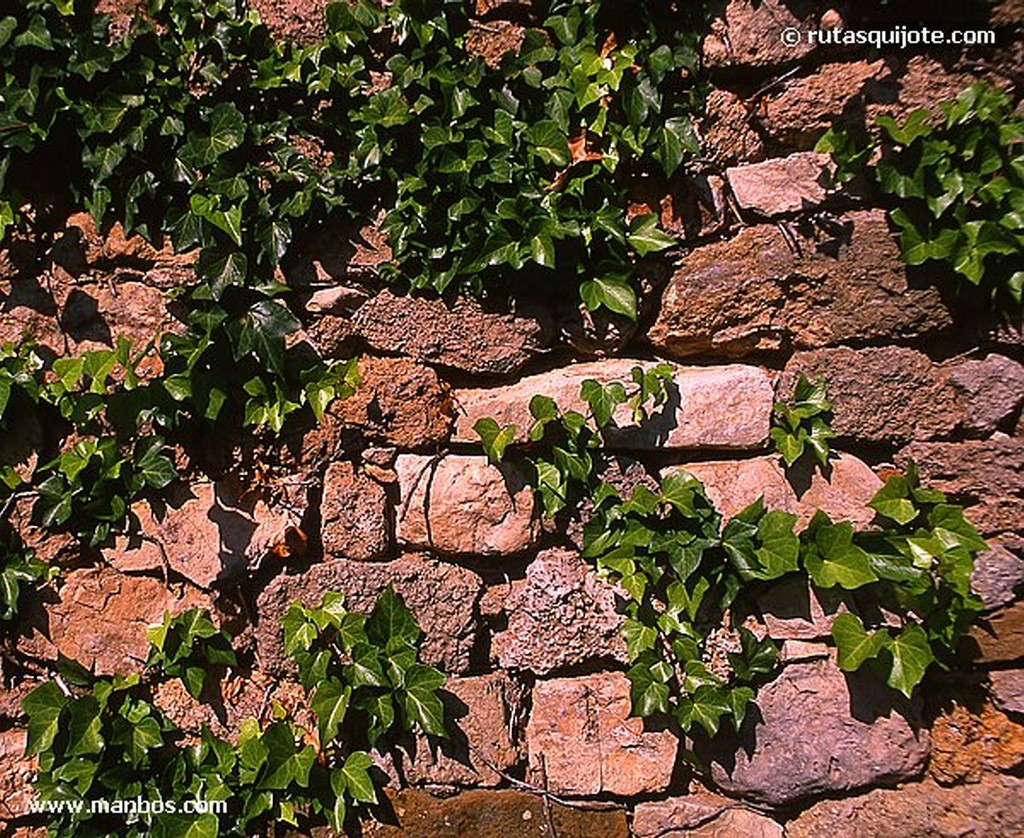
x=989, y=808
x=820, y=732
x=441, y=596
x=483, y=712
x=991, y=392
x=701, y=815
x=353, y=514
x=463, y=337
x=998, y=637
x=749, y=34
x=895, y=394
x=459, y=504
x=709, y=407
x=397, y=401
x=917, y=81
x=885, y=393
x=492, y=814
x=971, y=738
x=753, y=292
x=1007, y=687
x=16, y=773
x=297, y=20
x=582, y=741
x=782, y=185
x=211, y=531
x=986, y=476
x=842, y=492
x=998, y=576
x=101, y=617
x=729, y=137
x=560, y=615
x=799, y=110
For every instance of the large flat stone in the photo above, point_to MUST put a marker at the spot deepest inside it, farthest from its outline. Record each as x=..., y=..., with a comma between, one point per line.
x=102, y=616
x=782, y=185
x=989, y=808
x=441, y=596
x=463, y=505
x=843, y=494
x=762, y=290
x=724, y=407
x=582, y=741
x=819, y=731
x=701, y=815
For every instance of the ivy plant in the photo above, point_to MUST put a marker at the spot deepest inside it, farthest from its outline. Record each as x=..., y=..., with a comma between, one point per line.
x=692, y=580
x=105, y=738
x=19, y=568
x=956, y=183
x=802, y=427
x=189, y=646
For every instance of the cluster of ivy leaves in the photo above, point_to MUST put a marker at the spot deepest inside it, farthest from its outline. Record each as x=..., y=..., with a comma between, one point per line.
x=687, y=573
x=104, y=738
x=801, y=427
x=117, y=424
x=957, y=185
x=197, y=125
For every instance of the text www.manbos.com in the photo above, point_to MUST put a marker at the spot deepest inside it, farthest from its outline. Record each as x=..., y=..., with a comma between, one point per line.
x=136, y=806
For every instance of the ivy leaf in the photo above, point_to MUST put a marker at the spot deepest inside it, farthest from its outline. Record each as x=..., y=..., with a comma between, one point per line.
x=287, y=762
x=911, y=655
x=356, y=773
x=43, y=706
x=705, y=707
x=648, y=693
x=549, y=143
x=262, y=331
x=893, y=500
x=836, y=560
x=612, y=292
x=330, y=704
x=854, y=644
x=495, y=439
x=422, y=703
x=390, y=624
x=84, y=728
x=185, y=826
x=645, y=237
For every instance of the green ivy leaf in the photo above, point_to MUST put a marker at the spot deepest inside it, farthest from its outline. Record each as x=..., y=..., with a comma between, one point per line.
x=645, y=237
x=421, y=701
x=854, y=644
x=911, y=656
x=495, y=439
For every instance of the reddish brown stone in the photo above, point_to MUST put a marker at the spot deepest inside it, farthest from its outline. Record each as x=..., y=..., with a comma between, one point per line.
x=818, y=731
x=582, y=740
x=842, y=494
x=989, y=808
x=16, y=775
x=210, y=531
x=441, y=596
x=782, y=186
x=297, y=20
x=482, y=710
x=701, y=815
x=729, y=136
x=101, y=618
x=986, y=476
x=1007, y=688
x=397, y=402
x=970, y=740
x=463, y=336
x=998, y=637
x=561, y=615
x=998, y=576
x=492, y=814
x=749, y=34
x=354, y=514
x=753, y=292
x=460, y=504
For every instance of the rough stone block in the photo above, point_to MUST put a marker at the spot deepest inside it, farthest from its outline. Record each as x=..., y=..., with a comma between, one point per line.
x=724, y=407
x=782, y=185
x=354, y=514
x=460, y=504
x=582, y=739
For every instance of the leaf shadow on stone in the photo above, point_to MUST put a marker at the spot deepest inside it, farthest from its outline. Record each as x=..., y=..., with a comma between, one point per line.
x=456, y=747
x=81, y=319
x=801, y=474
x=654, y=430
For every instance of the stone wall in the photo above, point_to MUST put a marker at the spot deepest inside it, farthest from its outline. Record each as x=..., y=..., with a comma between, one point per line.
x=778, y=276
